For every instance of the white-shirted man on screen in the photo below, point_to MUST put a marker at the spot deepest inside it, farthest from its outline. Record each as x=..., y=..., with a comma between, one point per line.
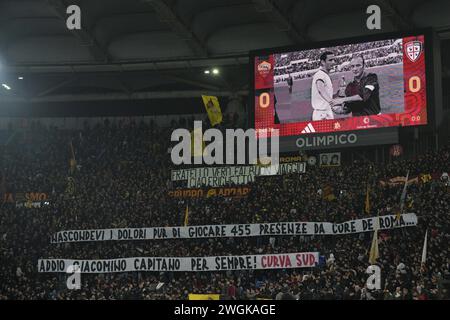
x=322, y=88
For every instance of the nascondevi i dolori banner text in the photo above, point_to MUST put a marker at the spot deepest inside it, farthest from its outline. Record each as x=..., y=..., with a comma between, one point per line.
x=216, y=263
x=237, y=230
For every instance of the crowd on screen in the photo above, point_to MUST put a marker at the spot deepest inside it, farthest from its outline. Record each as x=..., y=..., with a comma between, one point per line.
x=340, y=50
x=122, y=179
x=375, y=54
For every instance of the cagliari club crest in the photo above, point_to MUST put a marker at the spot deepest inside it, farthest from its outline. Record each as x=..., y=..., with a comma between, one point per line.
x=413, y=50
x=264, y=68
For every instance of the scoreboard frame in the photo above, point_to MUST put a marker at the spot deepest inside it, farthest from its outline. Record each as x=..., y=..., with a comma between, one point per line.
x=430, y=43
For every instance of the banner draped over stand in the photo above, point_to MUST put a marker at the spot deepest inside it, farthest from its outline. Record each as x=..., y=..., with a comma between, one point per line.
x=236, y=230
x=216, y=263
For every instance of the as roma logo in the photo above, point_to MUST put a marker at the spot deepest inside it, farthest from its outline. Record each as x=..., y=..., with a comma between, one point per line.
x=264, y=68
x=413, y=50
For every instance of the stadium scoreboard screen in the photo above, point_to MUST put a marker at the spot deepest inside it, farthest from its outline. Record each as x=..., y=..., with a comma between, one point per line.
x=354, y=84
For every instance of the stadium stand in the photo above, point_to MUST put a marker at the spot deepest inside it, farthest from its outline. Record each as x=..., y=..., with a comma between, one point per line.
x=128, y=188
x=91, y=92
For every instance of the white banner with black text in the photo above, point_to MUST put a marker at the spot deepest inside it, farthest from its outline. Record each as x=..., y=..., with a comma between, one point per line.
x=236, y=230
x=173, y=264
x=232, y=175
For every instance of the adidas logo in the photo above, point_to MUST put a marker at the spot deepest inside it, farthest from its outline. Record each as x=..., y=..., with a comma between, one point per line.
x=309, y=128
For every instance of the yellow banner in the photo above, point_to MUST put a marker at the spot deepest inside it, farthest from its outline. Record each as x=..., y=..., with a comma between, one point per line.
x=212, y=107
x=204, y=296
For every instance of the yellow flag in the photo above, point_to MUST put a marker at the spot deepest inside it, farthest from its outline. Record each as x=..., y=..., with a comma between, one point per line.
x=70, y=189
x=28, y=204
x=186, y=216
x=212, y=107
x=425, y=177
x=367, y=206
x=328, y=193
x=374, y=254
x=410, y=203
x=398, y=215
x=73, y=165
x=204, y=296
x=73, y=162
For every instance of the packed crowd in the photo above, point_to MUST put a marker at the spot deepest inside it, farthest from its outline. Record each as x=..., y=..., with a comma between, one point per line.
x=122, y=179
x=285, y=59
x=389, y=53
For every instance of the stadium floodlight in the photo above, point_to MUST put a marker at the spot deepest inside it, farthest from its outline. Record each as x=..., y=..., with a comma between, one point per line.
x=215, y=71
x=206, y=71
x=4, y=85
